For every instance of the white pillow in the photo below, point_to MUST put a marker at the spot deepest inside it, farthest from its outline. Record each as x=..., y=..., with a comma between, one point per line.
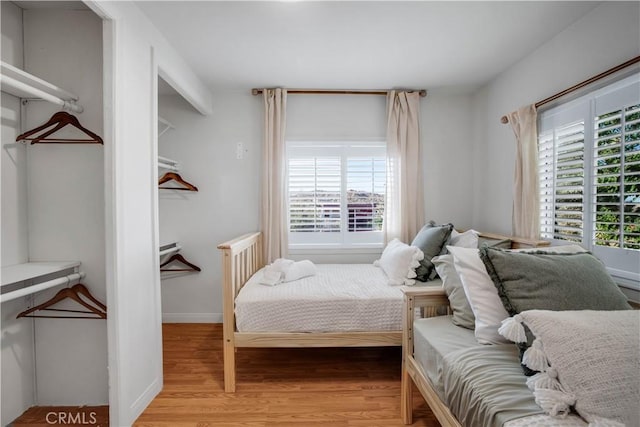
x=481, y=293
x=399, y=262
x=468, y=239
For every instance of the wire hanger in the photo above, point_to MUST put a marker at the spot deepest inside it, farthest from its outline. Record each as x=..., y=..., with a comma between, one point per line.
x=60, y=120
x=73, y=293
x=181, y=259
x=172, y=176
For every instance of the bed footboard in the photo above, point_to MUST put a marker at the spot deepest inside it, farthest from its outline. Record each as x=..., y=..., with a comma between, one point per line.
x=430, y=301
x=241, y=258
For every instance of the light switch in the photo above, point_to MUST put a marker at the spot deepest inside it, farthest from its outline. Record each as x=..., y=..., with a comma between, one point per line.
x=239, y=150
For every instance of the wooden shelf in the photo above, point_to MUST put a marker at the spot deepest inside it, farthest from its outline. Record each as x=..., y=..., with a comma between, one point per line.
x=13, y=274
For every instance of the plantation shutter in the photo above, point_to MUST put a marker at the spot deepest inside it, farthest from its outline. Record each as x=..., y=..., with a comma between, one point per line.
x=561, y=163
x=616, y=172
x=314, y=194
x=589, y=162
x=336, y=192
x=365, y=192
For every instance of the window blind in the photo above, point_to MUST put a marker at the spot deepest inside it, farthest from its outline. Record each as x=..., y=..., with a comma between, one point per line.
x=315, y=194
x=562, y=178
x=616, y=187
x=336, y=192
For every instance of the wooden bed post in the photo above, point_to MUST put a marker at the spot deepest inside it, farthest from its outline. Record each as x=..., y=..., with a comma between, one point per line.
x=228, y=319
x=241, y=258
x=406, y=390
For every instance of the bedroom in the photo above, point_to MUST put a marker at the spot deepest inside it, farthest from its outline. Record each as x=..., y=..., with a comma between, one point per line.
x=460, y=123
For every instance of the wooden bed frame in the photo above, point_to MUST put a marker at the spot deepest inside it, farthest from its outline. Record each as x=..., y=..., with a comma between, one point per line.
x=241, y=258
x=431, y=301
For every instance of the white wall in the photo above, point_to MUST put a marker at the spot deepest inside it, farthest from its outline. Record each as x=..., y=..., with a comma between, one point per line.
x=134, y=51
x=17, y=375
x=225, y=206
x=607, y=36
x=228, y=201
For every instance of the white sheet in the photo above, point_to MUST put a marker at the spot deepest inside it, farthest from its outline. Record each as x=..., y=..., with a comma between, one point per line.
x=339, y=298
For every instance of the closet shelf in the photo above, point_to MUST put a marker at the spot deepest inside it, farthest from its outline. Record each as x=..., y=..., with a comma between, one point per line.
x=17, y=273
x=169, y=164
x=32, y=270
x=19, y=83
x=170, y=248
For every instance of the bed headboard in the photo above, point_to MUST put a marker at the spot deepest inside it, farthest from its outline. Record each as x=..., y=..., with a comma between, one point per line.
x=241, y=258
x=517, y=242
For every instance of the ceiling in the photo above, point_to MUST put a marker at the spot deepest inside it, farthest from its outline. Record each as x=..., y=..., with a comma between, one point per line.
x=237, y=45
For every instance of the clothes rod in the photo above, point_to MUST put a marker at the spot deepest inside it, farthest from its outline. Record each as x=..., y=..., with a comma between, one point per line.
x=505, y=119
x=65, y=280
x=170, y=250
x=40, y=94
x=422, y=92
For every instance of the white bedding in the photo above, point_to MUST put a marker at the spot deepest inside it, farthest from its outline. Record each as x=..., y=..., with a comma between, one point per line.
x=339, y=298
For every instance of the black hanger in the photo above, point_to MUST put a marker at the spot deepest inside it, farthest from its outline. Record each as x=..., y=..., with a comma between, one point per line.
x=60, y=120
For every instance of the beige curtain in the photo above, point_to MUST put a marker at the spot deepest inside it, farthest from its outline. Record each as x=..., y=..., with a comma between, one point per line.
x=404, y=202
x=274, y=214
x=526, y=194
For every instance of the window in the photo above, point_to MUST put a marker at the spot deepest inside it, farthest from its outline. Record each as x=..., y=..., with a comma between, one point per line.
x=336, y=193
x=589, y=169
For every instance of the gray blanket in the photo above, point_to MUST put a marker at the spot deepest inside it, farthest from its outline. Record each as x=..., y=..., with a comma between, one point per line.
x=485, y=386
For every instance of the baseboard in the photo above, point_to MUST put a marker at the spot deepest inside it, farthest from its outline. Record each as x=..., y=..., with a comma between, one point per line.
x=191, y=317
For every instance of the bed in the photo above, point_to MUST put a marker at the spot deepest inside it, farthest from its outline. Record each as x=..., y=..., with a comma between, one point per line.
x=261, y=322
x=466, y=383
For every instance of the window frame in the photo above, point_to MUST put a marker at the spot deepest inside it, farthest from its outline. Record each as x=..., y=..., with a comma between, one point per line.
x=622, y=263
x=343, y=241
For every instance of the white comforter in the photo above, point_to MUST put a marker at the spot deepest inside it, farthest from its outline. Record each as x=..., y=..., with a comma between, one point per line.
x=340, y=297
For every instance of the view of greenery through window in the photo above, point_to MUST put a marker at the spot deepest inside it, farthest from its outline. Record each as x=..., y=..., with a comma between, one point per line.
x=617, y=178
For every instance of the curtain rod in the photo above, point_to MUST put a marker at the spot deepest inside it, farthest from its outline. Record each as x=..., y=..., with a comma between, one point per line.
x=505, y=119
x=422, y=92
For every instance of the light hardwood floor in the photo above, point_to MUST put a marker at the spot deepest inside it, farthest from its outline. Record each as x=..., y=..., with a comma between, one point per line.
x=338, y=387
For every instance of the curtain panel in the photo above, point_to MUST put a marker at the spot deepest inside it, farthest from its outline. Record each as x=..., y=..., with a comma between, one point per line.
x=404, y=202
x=526, y=194
x=273, y=207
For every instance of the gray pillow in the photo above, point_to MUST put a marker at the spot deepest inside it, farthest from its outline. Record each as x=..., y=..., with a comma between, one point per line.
x=551, y=281
x=430, y=239
x=462, y=313
x=494, y=243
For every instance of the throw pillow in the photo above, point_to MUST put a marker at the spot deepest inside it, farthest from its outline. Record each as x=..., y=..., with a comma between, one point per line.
x=551, y=281
x=462, y=313
x=589, y=360
x=399, y=262
x=468, y=239
x=430, y=239
x=481, y=293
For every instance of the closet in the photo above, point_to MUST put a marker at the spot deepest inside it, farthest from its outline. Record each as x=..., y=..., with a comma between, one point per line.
x=53, y=232
x=178, y=192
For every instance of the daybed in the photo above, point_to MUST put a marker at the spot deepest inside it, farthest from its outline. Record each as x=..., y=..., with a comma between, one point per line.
x=262, y=322
x=466, y=383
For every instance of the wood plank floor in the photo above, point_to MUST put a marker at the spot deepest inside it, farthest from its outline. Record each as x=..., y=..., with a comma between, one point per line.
x=338, y=387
